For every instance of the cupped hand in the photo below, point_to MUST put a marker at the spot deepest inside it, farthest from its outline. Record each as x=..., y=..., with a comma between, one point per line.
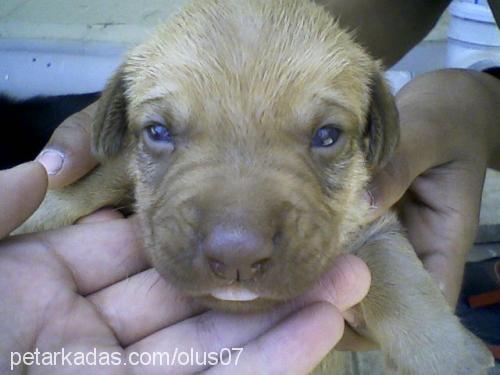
x=448, y=131
x=89, y=287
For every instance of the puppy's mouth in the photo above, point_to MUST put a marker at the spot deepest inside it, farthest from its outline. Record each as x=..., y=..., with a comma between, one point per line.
x=234, y=294
x=237, y=299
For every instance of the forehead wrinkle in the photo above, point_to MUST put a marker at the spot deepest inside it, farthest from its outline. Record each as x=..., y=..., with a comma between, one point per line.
x=335, y=98
x=225, y=77
x=168, y=107
x=332, y=97
x=167, y=88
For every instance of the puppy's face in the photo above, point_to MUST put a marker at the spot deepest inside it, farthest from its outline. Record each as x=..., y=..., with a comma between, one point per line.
x=252, y=127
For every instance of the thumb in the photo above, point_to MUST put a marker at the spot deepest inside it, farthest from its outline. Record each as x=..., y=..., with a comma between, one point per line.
x=22, y=189
x=344, y=285
x=67, y=155
x=388, y=185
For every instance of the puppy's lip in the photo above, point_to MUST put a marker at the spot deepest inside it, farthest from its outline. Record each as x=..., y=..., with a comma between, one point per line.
x=234, y=293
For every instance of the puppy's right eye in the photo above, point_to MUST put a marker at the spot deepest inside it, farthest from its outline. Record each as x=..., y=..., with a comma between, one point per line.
x=326, y=136
x=158, y=133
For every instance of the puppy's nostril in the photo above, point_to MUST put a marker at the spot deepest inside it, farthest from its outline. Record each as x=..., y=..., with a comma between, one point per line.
x=260, y=266
x=216, y=266
x=277, y=238
x=235, y=253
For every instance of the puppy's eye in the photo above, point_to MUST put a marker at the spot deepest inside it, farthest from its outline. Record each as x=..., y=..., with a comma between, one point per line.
x=326, y=136
x=158, y=133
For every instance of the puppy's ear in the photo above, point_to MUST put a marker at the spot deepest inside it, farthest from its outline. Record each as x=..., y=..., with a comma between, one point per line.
x=382, y=129
x=110, y=122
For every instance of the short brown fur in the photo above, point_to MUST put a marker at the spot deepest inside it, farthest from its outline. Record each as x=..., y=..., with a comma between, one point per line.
x=243, y=85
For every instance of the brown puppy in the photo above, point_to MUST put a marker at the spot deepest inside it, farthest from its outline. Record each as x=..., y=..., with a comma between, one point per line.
x=245, y=132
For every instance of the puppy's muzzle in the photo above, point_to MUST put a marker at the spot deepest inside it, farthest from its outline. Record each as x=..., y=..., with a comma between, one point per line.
x=237, y=253
x=239, y=233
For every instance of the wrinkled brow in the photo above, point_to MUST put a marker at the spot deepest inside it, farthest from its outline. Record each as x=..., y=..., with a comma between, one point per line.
x=337, y=99
x=164, y=101
x=167, y=88
x=326, y=105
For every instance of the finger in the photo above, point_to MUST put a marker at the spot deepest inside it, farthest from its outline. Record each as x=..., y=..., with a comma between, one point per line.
x=296, y=346
x=67, y=155
x=209, y=332
x=103, y=214
x=443, y=216
x=156, y=305
x=344, y=286
x=388, y=185
x=22, y=189
x=447, y=272
x=442, y=256
x=98, y=254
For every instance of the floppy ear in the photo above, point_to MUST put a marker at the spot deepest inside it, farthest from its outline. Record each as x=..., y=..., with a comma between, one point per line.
x=110, y=122
x=382, y=129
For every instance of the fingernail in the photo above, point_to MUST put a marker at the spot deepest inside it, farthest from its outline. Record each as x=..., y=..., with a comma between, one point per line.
x=52, y=161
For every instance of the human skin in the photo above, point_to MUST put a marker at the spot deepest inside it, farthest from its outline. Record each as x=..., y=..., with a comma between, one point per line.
x=441, y=113
x=453, y=116
x=90, y=286
x=388, y=29
x=449, y=135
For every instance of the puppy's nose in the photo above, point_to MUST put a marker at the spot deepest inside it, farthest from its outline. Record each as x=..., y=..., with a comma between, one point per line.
x=236, y=253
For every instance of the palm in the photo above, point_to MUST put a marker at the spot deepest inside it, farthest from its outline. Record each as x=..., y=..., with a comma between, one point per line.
x=440, y=215
x=88, y=287
x=41, y=295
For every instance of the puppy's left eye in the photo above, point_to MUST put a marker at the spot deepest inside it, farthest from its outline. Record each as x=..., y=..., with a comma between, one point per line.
x=326, y=136
x=158, y=133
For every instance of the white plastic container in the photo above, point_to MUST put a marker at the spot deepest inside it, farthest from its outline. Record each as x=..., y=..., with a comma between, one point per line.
x=473, y=36
x=38, y=67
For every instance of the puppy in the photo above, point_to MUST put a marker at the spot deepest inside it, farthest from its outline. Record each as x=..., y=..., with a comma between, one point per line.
x=243, y=135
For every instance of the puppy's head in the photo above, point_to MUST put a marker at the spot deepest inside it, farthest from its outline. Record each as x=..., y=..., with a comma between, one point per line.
x=253, y=127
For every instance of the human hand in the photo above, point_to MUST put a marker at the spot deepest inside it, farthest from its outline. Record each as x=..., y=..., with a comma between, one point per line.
x=19, y=197
x=449, y=134
x=90, y=286
x=67, y=156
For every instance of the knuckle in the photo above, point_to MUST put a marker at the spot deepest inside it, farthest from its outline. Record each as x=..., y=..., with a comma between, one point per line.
x=206, y=332
x=396, y=180
x=399, y=170
x=79, y=122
